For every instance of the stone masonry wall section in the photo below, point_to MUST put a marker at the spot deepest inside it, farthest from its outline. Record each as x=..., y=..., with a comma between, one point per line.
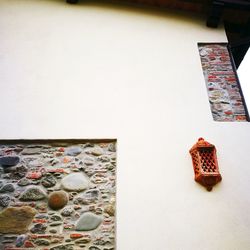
x=225, y=98
x=57, y=195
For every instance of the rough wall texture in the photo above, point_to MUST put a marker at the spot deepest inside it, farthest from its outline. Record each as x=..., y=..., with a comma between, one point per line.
x=224, y=94
x=57, y=197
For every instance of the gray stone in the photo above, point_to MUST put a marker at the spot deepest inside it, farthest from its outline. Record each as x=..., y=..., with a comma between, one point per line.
x=97, y=152
x=31, y=151
x=38, y=228
x=67, y=211
x=5, y=176
x=75, y=182
x=58, y=175
x=19, y=172
x=82, y=241
x=56, y=217
x=4, y=200
x=41, y=216
x=7, y=241
x=17, y=194
x=103, y=158
x=10, y=237
x=23, y=182
x=54, y=224
x=89, y=196
x=112, y=147
x=89, y=145
x=7, y=188
x=53, y=231
x=94, y=248
x=39, y=146
x=42, y=242
x=35, y=182
x=109, y=166
x=48, y=181
x=54, y=162
x=9, y=160
x=34, y=163
x=88, y=161
x=88, y=221
x=73, y=151
x=33, y=194
x=100, y=242
x=63, y=247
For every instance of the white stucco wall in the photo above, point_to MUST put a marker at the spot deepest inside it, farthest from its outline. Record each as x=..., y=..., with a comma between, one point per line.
x=108, y=71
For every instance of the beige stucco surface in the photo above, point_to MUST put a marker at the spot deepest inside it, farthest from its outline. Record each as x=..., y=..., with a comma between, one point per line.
x=108, y=71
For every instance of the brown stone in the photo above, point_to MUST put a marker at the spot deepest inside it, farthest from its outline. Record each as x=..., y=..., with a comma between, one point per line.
x=58, y=199
x=110, y=210
x=16, y=220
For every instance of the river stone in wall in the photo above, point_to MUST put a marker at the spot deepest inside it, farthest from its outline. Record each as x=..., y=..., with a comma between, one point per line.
x=8, y=188
x=16, y=220
x=9, y=160
x=75, y=182
x=4, y=200
x=88, y=221
x=58, y=199
x=33, y=194
x=73, y=151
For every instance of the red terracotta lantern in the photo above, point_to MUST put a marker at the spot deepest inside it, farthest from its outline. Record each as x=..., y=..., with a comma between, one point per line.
x=205, y=164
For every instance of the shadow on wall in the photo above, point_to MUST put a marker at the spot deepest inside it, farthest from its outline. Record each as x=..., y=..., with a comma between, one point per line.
x=137, y=8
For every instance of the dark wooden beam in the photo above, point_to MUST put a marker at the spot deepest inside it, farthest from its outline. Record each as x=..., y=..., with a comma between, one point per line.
x=239, y=44
x=215, y=14
x=218, y=6
x=236, y=4
x=72, y=1
x=239, y=52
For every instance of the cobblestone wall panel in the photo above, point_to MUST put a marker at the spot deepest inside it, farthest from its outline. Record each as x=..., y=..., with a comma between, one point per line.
x=57, y=196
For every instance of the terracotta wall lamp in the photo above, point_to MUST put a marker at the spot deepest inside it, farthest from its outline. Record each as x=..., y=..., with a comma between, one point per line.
x=205, y=164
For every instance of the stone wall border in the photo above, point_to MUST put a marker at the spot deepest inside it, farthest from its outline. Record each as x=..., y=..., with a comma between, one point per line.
x=225, y=95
